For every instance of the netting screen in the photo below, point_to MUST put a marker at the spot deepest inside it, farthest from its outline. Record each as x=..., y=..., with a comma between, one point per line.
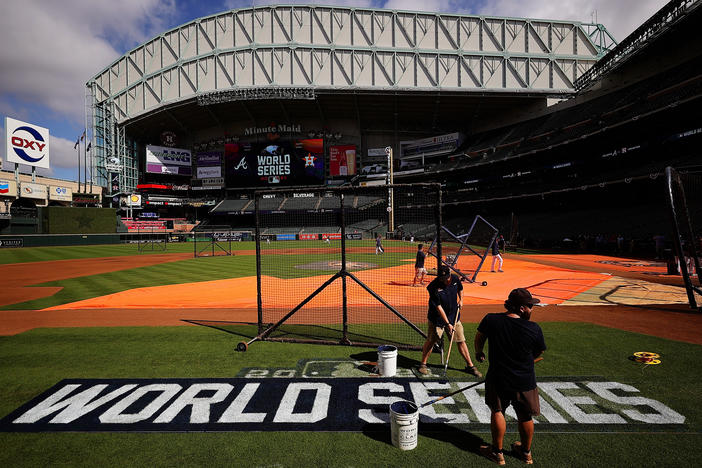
x=213, y=240
x=685, y=196
x=339, y=267
x=466, y=250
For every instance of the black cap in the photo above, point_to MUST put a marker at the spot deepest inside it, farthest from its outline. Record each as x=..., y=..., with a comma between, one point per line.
x=520, y=296
x=444, y=272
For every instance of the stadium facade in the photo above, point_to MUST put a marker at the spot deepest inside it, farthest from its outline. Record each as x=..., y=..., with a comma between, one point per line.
x=309, y=95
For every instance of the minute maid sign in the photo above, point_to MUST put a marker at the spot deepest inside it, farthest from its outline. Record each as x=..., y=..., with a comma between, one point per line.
x=322, y=404
x=27, y=143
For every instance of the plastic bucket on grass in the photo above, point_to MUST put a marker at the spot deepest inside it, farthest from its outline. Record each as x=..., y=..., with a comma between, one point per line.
x=387, y=360
x=404, y=419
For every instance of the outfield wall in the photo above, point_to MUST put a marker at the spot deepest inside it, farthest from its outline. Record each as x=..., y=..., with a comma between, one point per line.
x=75, y=220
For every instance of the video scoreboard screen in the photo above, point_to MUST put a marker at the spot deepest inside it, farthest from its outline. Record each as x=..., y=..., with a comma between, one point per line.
x=273, y=164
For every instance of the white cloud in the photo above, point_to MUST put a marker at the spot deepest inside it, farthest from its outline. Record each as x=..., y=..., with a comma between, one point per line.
x=620, y=17
x=448, y=6
x=51, y=48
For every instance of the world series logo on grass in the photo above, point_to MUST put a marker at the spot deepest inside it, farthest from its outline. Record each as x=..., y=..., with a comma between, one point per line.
x=288, y=400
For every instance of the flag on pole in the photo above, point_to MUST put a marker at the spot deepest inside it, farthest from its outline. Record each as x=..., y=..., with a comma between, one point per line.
x=77, y=143
x=89, y=145
x=82, y=137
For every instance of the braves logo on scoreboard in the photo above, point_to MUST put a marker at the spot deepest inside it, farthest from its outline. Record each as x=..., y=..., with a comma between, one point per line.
x=27, y=143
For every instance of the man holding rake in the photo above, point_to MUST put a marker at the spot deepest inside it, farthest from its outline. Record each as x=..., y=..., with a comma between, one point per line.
x=445, y=301
x=515, y=344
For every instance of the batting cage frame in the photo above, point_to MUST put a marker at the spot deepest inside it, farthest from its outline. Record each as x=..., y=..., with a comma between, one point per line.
x=151, y=240
x=463, y=240
x=366, y=288
x=685, y=236
x=211, y=240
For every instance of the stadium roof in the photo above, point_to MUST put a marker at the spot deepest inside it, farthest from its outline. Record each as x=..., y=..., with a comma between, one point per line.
x=305, y=50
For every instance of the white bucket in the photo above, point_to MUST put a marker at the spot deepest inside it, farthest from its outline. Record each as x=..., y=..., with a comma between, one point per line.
x=404, y=418
x=387, y=361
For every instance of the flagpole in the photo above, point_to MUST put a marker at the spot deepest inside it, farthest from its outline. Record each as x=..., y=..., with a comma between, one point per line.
x=78, y=146
x=85, y=165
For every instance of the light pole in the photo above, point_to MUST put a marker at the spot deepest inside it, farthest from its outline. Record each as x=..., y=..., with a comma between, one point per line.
x=391, y=199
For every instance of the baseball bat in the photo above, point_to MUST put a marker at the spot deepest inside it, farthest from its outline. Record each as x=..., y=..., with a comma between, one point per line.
x=448, y=354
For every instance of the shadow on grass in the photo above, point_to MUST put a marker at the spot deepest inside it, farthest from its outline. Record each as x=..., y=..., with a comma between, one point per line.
x=462, y=440
x=242, y=329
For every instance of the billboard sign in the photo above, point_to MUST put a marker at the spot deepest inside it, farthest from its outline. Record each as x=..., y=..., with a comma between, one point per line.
x=210, y=183
x=208, y=159
x=209, y=172
x=60, y=193
x=8, y=188
x=342, y=160
x=36, y=191
x=27, y=143
x=297, y=162
x=114, y=182
x=163, y=160
x=441, y=144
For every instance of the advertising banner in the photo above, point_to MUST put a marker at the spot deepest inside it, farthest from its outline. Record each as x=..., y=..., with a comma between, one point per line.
x=209, y=159
x=331, y=235
x=114, y=182
x=135, y=200
x=8, y=188
x=431, y=146
x=297, y=162
x=26, y=143
x=163, y=160
x=285, y=237
x=211, y=183
x=60, y=193
x=209, y=172
x=11, y=243
x=342, y=160
x=308, y=236
x=36, y=191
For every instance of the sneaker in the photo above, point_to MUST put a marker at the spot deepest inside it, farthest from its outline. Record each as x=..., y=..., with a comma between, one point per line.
x=423, y=369
x=501, y=271
x=519, y=452
x=491, y=454
x=472, y=370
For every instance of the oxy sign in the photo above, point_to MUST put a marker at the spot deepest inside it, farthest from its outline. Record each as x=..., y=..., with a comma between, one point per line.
x=27, y=143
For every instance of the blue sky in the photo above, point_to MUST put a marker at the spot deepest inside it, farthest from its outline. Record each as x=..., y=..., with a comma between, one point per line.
x=51, y=48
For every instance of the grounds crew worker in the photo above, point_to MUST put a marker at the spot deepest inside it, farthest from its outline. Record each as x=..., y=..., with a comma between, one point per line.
x=445, y=298
x=514, y=343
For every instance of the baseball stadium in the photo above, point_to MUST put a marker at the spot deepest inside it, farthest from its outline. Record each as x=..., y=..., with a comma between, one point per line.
x=272, y=190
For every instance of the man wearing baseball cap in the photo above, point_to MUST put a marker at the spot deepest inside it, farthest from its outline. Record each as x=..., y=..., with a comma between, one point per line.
x=514, y=343
x=445, y=301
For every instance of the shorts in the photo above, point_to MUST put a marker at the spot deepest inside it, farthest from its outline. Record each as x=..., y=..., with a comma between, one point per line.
x=435, y=333
x=525, y=403
x=421, y=271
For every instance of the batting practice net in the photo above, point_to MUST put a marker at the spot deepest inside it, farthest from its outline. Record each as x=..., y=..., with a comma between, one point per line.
x=466, y=248
x=684, y=190
x=213, y=240
x=337, y=265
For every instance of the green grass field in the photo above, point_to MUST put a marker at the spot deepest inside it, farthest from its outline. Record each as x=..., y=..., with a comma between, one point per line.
x=34, y=361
